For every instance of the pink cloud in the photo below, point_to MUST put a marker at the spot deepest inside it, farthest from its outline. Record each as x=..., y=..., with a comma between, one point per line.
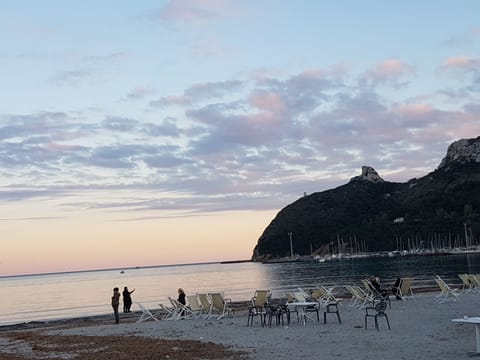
x=267, y=101
x=63, y=147
x=265, y=118
x=462, y=62
x=391, y=69
x=413, y=109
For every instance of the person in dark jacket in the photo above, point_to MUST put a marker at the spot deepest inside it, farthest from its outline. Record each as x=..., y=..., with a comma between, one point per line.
x=181, y=300
x=181, y=297
x=127, y=299
x=396, y=289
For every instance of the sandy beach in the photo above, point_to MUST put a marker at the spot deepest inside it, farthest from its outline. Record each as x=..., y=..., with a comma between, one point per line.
x=420, y=329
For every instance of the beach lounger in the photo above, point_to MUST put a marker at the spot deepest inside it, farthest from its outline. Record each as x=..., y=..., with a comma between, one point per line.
x=261, y=298
x=220, y=305
x=360, y=298
x=446, y=292
x=300, y=296
x=168, y=312
x=467, y=284
x=259, y=307
x=475, y=280
x=405, y=291
x=180, y=311
x=195, y=307
x=206, y=304
x=325, y=296
x=373, y=292
x=146, y=314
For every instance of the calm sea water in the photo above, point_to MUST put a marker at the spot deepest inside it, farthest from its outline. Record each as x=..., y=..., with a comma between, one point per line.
x=53, y=296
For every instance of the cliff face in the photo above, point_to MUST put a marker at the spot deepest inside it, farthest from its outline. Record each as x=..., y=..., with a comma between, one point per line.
x=370, y=214
x=460, y=152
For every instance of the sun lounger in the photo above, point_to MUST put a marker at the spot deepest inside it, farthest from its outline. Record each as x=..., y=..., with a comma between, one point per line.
x=360, y=298
x=220, y=305
x=446, y=291
x=325, y=296
x=168, y=312
x=206, y=303
x=405, y=291
x=467, y=284
x=261, y=298
x=146, y=314
x=180, y=311
x=475, y=280
x=195, y=307
x=373, y=292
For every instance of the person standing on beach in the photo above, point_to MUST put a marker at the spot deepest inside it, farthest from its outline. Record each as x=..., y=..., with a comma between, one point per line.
x=127, y=299
x=115, y=304
x=181, y=300
x=181, y=297
x=396, y=289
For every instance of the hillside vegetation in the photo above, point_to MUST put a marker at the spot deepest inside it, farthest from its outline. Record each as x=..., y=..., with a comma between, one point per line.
x=369, y=214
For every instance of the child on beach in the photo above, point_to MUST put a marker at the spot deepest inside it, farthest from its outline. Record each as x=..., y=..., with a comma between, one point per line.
x=115, y=304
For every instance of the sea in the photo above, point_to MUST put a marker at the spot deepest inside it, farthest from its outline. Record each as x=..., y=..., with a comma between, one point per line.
x=48, y=297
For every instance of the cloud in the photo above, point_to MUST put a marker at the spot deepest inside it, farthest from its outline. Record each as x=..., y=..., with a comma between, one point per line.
x=114, y=156
x=467, y=66
x=71, y=77
x=212, y=90
x=171, y=101
x=140, y=92
x=167, y=128
x=258, y=142
x=267, y=101
x=463, y=63
x=388, y=72
x=119, y=124
x=199, y=92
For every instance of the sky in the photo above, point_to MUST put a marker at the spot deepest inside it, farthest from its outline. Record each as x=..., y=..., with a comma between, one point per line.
x=136, y=133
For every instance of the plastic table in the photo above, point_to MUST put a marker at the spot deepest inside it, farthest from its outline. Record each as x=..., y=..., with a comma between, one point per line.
x=476, y=322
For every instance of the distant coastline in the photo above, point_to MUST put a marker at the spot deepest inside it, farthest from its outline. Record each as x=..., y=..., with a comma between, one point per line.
x=124, y=269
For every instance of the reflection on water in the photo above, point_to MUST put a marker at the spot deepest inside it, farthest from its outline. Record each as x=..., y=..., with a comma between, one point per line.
x=52, y=296
x=289, y=276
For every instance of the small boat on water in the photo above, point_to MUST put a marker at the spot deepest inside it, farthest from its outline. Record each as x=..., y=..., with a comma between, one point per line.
x=122, y=272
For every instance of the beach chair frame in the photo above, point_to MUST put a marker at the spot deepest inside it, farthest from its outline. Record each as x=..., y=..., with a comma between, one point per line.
x=146, y=314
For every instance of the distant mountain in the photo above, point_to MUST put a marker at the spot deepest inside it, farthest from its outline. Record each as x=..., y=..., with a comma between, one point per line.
x=370, y=214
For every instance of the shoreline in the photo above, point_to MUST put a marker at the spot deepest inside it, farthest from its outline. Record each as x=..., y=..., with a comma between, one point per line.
x=237, y=305
x=420, y=329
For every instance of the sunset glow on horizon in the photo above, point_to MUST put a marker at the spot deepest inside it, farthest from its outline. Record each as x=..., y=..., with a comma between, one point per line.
x=173, y=131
